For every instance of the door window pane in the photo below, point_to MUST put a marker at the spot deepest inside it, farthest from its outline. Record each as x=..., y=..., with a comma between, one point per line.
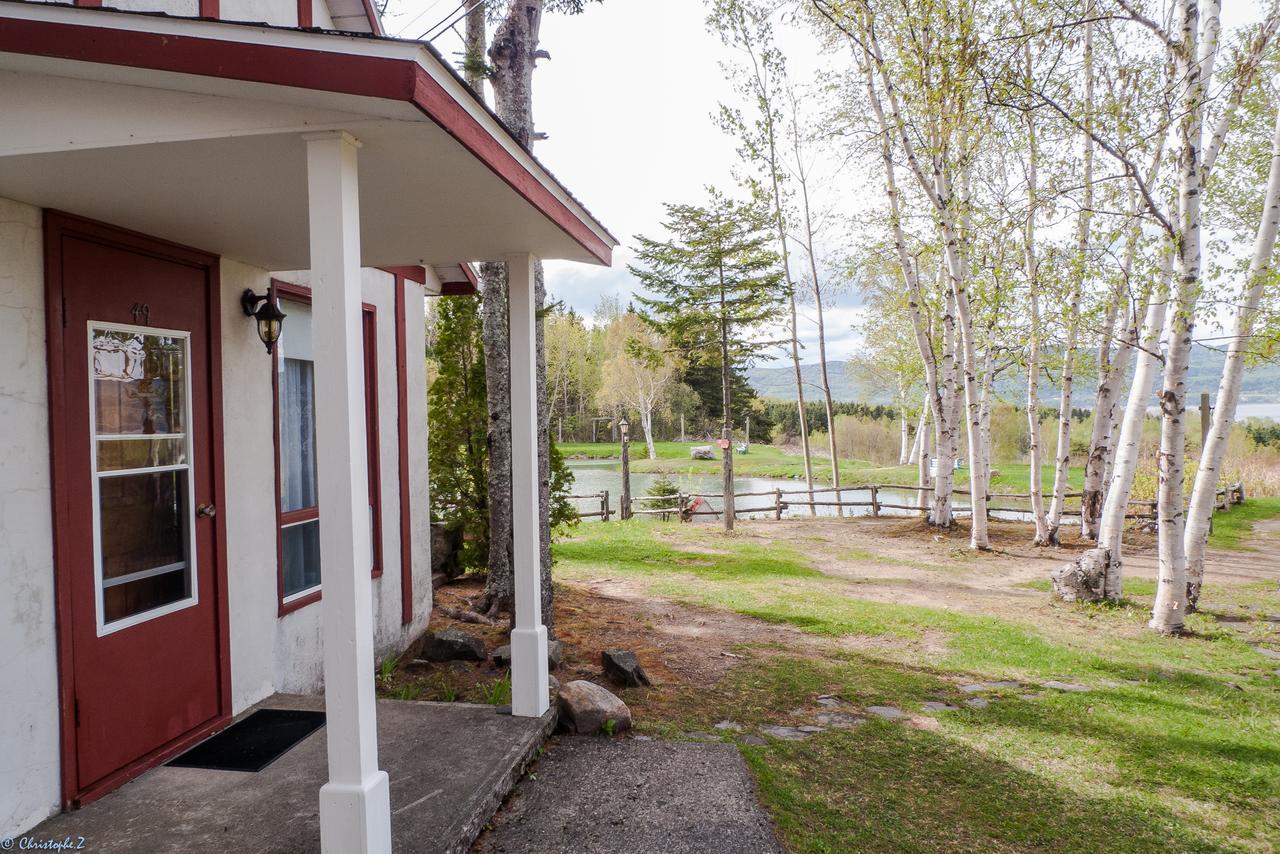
x=139, y=382
x=118, y=454
x=142, y=470
x=144, y=521
x=300, y=554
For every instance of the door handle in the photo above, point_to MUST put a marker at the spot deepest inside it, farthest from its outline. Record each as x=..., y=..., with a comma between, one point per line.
x=206, y=511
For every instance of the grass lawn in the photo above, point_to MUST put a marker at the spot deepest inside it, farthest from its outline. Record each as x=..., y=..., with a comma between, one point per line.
x=769, y=461
x=1176, y=746
x=1233, y=529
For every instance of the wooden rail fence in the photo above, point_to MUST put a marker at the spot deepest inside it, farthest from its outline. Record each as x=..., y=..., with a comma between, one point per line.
x=686, y=505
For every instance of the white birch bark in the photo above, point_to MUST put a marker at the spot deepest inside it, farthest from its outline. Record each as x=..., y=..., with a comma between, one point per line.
x=923, y=479
x=1194, y=68
x=1072, y=318
x=935, y=375
x=913, y=456
x=1129, y=440
x=1203, y=494
x=1031, y=265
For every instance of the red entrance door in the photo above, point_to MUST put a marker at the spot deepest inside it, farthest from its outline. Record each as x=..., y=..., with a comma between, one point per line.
x=138, y=553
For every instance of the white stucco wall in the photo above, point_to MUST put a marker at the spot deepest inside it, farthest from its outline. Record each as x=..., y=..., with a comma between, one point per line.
x=296, y=662
x=29, y=758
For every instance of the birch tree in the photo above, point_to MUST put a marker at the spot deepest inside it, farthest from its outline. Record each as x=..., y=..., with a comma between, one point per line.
x=745, y=26
x=639, y=375
x=928, y=82
x=1257, y=278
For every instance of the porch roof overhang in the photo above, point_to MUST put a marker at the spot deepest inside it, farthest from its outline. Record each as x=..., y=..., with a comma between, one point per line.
x=193, y=131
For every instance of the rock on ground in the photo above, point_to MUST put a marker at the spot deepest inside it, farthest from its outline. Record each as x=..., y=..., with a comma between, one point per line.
x=625, y=796
x=555, y=655
x=1083, y=579
x=452, y=645
x=624, y=668
x=585, y=708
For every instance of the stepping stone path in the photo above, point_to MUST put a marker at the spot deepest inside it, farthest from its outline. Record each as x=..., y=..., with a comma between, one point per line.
x=786, y=733
x=935, y=706
x=754, y=741
x=1269, y=653
x=977, y=702
x=832, y=702
x=729, y=726
x=839, y=720
x=1067, y=686
x=889, y=713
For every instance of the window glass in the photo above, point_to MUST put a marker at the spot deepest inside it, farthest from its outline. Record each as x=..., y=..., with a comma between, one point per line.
x=299, y=498
x=142, y=475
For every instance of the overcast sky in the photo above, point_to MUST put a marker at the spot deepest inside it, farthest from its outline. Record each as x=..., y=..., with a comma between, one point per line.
x=626, y=101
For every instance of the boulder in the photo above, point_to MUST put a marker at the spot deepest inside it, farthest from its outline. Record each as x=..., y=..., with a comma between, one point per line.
x=555, y=655
x=624, y=668
x=452, y=645
x=585, y=708
x=1083, y=579
x=446, y=551
x=702, y=452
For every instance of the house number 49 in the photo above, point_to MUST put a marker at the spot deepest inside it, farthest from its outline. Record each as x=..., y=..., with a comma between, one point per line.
x=141, y=313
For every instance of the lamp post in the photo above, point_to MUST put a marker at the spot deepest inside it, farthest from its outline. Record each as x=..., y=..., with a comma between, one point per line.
x=624, y=427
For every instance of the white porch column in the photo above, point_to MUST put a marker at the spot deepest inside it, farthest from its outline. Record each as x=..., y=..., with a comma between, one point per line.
x=529, y=683
x=355, y=807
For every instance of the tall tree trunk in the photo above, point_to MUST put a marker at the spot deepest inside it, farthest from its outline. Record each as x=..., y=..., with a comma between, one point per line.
x=1072, y=315
x=913, y=456
x=947, y=436
x=800, y=405
x=1032, y=267
x=500, y=586
x=1194, y=69
x=936, y=376
x=904, y=431
x=1203, y=494
x=923, y=479
x=475, y=61
x=1129, y=440
x=827, y=401
x=726, y=400
x=513, y=55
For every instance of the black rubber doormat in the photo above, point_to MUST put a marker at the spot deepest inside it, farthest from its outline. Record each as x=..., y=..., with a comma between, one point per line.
x=253, y=743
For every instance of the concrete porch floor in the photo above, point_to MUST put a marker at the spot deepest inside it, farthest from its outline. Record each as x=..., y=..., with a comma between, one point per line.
x=450, y=765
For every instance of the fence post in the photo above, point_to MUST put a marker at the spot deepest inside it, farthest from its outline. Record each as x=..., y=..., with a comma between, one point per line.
x=604, y=498
x=875, y=501
x=777, y=505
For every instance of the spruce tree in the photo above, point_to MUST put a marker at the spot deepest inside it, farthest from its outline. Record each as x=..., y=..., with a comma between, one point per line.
x=716, y=285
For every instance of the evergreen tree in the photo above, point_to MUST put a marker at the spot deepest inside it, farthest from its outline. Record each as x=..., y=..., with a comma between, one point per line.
x=457, y=417
x=716, y=282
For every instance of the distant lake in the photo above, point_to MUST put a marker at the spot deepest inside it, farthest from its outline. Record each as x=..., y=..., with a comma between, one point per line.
x=595, y=476
x=1258, y=410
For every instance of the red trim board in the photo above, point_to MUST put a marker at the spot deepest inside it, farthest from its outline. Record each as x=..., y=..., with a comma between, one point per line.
x=402, y=436
x=365, y=76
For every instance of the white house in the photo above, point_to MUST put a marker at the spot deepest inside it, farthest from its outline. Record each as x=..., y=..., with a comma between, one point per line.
x=188, y=523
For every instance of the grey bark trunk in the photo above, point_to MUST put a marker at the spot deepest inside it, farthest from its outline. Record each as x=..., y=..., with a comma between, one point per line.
x=513, y=55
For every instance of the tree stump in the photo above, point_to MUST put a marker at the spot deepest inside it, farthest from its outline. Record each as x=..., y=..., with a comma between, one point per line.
x=1084, y=579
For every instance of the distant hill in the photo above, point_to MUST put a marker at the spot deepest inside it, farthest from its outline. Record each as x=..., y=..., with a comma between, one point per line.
x=777, y=380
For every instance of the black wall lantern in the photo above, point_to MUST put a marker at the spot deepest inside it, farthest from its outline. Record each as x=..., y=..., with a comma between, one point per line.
x=266, y=311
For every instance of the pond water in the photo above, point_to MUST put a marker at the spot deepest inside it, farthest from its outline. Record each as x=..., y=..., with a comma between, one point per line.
x=594, y=476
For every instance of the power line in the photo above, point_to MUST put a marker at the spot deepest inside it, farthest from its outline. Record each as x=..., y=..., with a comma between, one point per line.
x=415, y=18
x=451, y=20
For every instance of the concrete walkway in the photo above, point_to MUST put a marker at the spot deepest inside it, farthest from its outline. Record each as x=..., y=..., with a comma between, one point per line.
x=450, y=764
x=633, y=796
